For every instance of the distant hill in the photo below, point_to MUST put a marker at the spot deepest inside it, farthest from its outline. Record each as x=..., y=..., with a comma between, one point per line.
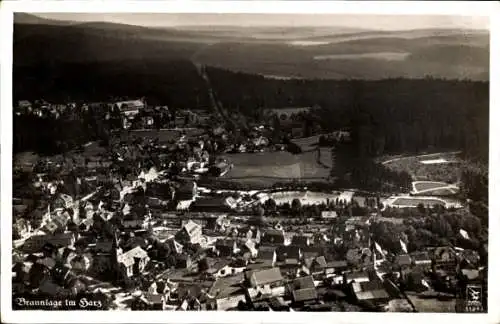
x=29, y=19
x=275, y=52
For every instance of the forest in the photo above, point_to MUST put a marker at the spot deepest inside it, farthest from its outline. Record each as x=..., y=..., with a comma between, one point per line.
x=385, y=116
x=174, y=83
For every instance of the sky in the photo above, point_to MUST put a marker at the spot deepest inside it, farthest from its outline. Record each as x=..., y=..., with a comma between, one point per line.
x=380, y=22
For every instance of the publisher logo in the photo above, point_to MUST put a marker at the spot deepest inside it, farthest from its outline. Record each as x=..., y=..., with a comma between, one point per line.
x=473, y=299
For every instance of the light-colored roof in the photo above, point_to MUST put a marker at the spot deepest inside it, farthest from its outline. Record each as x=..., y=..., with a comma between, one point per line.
x=127, y=258
x=267, y=276
x=130, y=104
x=191, y=226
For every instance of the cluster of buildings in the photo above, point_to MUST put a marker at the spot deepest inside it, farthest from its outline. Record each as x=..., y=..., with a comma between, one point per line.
x=207, y=258
x=133, y=216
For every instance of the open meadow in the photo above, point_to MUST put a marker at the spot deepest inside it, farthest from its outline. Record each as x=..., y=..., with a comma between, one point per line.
x=276, y=166
x=439, y=167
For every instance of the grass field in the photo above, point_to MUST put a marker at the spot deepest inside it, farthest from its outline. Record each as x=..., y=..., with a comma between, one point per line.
x=426, y=185
x=433, y=188
x=276, y=166
x=440, y=172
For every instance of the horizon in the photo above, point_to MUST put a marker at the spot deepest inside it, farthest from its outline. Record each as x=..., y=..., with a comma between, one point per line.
x=347, y=21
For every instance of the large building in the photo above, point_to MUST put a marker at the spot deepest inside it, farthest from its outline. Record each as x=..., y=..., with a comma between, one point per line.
x=131, y=107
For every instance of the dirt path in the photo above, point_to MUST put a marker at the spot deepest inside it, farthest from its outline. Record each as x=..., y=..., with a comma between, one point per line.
x=418, y=156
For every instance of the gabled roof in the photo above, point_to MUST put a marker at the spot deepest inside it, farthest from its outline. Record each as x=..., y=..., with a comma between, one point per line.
x=420, y=256
x=304, y=294
x=272, y=232
x=337, y=264
x=128, y=257
x=225, y=242
x=300, y=240
x=320, y=262
x=191, y=227
x=303, y=283
x=356, y=275
x=267, y=276
x=288, y=252
x=403, y=259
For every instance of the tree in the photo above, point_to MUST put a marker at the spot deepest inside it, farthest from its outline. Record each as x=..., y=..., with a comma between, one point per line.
x=203, y=265
x=296, y=206
x=270, y=205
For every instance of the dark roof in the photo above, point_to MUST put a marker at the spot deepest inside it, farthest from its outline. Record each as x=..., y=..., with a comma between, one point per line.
x=304, y=294
x=403, y=259
x=211, y=203
x=265, y=254
x=303, y=283
x=420, y=256
x=286, y=252
x=371, y=285
x=186, y=187
x=225, y=242
x=337, y=264
x=300, y=240
x=273, y=232
x=357, y=274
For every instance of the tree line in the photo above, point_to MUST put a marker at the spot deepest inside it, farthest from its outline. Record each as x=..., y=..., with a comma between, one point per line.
x=386, y=116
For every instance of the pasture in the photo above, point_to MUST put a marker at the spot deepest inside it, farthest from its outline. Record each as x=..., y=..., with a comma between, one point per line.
x=431, y=172
x=433, y=188
x=271, y=167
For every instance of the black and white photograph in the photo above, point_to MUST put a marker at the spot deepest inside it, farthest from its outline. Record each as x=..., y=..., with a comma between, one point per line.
x=269, y=162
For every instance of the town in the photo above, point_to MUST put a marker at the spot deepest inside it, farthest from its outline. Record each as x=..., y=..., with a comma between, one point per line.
x=186, y=210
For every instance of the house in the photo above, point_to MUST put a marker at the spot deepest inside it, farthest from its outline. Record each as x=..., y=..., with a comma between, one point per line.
x=131, y=107
x=228, y=303
x=132, y=221
x=300, y=240
x=265, y=278
x=302, y=283
x=445, y=259
x=336, y=267
x=288, y=255
x=253, y=234
x=174, y=246
x=266, y=255
x=190, y=233
x=24, y=106
x=251, y=248
x=358, y=256
x=226, y=247
x=308, y=252
x=186, y=191
x=132, y=262
x=358, y=276
x=373, y=292
x=317, y=265
x=80, y=263
x=403, y=260
x=212, y=204
x=149, y=301
x=183, y=261
x=223, y=269
x=36, y=242
x=328, y=214
x=421, y=259
x=272, y=237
